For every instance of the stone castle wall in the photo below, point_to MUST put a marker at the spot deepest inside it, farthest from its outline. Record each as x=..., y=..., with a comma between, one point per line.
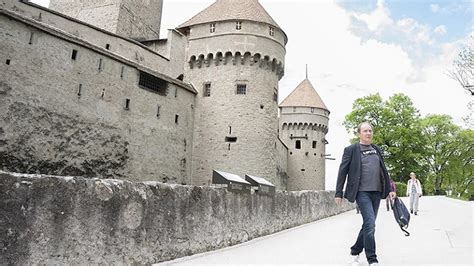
x=137, y=19
x=170, y=64
x=68, y=116
x=78, y=221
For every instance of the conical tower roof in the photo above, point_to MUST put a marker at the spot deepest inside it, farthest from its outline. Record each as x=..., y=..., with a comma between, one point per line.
x=304, y=96
x=223, y=10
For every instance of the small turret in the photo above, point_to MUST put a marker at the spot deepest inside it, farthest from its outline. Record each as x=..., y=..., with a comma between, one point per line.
x=303, y=125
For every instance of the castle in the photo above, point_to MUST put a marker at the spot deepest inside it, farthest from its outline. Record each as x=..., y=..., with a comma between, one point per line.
x=88, y=88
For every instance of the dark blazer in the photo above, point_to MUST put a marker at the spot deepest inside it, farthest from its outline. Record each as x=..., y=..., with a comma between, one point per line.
x=350, y=170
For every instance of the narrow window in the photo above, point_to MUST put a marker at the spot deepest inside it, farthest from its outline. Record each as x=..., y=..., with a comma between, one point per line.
x=127, y=104
x=312, y=109
x=31, y=38
x=107, y=46
x=101, y=64
x=298, y=144
x=207, y=90
x=74, y=54
x=158, y=111
x=241, y=89
x=314, y=144
x=7, y=62
x=275, y=95
x=294, y=109
x=176, y=119
x=122, y=72
x=102, y=94
x=231, y=139
x=212, y=27
x=272, y=31
x=79, y=90
x=261, y=106
x=238, y=25
x=230, y=130
x=176, y=92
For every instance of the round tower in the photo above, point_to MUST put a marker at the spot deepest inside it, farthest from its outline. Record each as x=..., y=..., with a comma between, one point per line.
x=235, y=58
x=303, y=125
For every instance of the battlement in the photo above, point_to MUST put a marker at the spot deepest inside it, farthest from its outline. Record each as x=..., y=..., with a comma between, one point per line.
x=305, y=126
x=237, y=58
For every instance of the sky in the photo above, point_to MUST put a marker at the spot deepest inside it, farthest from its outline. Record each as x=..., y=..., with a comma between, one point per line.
x=357, y=48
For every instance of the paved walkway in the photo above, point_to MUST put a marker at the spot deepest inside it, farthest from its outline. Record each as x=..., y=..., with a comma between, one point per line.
x=441, y=234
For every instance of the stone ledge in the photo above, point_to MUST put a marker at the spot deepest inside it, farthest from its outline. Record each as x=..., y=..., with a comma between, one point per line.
x=74, y=220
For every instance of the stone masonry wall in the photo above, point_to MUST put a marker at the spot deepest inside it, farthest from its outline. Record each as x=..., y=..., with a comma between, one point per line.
x=73, y=220
x=68, y=116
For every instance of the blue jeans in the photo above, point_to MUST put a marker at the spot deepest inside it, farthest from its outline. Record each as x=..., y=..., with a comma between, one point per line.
x=368, y=202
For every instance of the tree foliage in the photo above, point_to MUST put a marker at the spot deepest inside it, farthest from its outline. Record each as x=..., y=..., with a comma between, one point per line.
x=396, y=130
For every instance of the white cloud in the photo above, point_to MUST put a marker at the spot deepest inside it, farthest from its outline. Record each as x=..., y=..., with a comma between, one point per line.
x=434, y=8
x=441, y=30
x=377, y=19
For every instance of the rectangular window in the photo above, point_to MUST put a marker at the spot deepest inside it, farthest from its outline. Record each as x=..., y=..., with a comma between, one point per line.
x=148, y=81
x=74, y=54
x=272, y=31
x=298, y=144
x=107, y=46
x=101, y=65
x=312, y=109
x=176, y=92
x=158, y=111
x=241, y=89
x=212, y=27
x=275, y=95
x=176, y=117
x=127, y=104
x=207, y=90
x=7, y=62
x=314, y=144
x=238, y=25
x=294, y=109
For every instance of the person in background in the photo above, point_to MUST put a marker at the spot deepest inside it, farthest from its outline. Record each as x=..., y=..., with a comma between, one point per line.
x=414, y=191
x=368, y=182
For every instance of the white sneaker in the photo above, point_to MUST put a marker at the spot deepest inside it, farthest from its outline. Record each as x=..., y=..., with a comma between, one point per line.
x=355, y=260
x=374, y=264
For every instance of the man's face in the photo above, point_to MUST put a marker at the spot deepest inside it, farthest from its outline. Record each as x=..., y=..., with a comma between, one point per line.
x=412, y=176
x=365, y=134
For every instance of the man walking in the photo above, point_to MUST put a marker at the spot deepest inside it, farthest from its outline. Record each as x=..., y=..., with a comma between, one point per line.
x=414, y=191
x=368, y=182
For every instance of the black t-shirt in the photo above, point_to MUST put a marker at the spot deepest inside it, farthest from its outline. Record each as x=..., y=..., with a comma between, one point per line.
x=370, y=169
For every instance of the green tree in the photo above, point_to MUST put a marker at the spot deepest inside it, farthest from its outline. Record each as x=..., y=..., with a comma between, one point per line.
x=396, y=128
x=460, y=169
x=439, y=134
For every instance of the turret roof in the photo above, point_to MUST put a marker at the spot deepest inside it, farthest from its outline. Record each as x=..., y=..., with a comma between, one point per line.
x=223, y=10
x=304, y=96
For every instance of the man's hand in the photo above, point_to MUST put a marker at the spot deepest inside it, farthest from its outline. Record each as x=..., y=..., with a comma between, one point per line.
x=392, y=195
x=338, y=201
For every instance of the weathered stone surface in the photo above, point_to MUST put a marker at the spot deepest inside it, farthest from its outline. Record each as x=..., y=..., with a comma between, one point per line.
x=74, y=220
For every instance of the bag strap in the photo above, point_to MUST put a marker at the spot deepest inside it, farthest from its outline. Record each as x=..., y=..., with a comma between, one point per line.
x=406, y=232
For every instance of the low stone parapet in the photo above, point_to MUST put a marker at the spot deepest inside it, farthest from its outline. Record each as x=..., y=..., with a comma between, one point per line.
x=74, y=220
